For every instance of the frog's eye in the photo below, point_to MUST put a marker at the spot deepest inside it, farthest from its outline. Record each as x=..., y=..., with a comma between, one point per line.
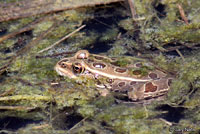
x=82, y=54
x=77, y=68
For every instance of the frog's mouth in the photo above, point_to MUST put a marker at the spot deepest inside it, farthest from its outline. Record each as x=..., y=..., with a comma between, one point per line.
x=64, y=72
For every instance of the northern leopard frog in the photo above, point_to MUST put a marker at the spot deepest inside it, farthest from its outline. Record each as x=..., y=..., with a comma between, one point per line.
x=140, y=81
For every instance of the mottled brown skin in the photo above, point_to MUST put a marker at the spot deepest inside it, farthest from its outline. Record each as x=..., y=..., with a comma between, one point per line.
x=127, y=79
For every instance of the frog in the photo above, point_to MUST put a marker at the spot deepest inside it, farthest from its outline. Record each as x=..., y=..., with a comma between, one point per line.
x=139, y=80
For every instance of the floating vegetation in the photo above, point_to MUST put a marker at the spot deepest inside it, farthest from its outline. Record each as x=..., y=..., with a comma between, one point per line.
x=36, y=100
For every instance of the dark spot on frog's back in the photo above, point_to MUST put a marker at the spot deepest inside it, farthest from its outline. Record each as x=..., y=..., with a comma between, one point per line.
x=121, y=84
x=149, y=87
x=153, y=76
x=138, y=64
x=114, y=63
x=90, y=60
x=137, y=72
x=132, y=83
x=99, y=65
x=113, y=58
x=98, y=57
x=120, y=70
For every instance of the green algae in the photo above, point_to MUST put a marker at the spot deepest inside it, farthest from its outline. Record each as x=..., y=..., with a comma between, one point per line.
x=186, y=84
x=109, y=34
x=84, y=43
x=87, y=110
x=168, y=65
x=8, y=43
x=126, y=24
x=77, y=95
x=129, y=120
x=122, y=62
x=117, y=49
x=42, y=27
x=41, y=69
x=159, y=31
x=186, y=126
x=173, y=33
x=20, y=23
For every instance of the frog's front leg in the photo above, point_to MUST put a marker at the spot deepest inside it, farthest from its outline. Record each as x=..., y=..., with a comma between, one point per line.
x=103, y=89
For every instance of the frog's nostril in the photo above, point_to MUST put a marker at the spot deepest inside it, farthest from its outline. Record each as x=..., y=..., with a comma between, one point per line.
x=63, y=65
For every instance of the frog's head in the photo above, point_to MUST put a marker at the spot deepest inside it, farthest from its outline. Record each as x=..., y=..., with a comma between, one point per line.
x=69, y=67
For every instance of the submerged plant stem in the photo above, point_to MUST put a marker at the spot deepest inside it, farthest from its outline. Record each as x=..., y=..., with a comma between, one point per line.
x=26, y=97
x=67, y=36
